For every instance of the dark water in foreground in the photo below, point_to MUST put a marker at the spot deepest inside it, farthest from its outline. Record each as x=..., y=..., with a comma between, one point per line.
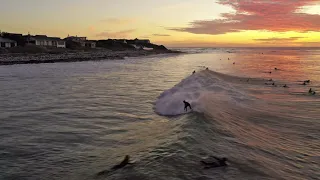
x=73, y=120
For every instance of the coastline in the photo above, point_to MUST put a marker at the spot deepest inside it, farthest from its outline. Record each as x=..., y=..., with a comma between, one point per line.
x=76, y=56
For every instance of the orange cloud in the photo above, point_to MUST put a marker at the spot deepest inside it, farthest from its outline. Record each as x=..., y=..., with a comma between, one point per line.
x=161, y=35
x=270, y=15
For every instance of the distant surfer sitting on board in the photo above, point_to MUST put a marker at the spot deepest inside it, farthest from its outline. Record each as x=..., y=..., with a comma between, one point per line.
x=186, y=105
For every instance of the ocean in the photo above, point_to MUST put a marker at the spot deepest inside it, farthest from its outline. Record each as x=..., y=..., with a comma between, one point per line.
x=74, y=120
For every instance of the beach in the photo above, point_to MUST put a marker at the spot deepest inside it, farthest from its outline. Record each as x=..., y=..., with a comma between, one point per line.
x=75, y=56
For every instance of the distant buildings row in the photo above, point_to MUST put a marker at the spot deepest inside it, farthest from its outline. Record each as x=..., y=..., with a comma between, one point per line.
x=8, y=40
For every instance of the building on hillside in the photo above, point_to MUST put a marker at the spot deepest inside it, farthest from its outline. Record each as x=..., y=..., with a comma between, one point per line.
x=43, y=40
x=121, y=41
x=82, y=41
x=138, y=41
x=91, y=44
x=142, y=41
x=15, y=37
x=7, y=43
x=129, y=41
x=76, y=38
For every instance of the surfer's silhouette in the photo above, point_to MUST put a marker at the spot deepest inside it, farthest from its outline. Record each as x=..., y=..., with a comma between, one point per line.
x=125, y=162
x=312, y=92
x=220, y=162
x=186, y=105
x=122, y=164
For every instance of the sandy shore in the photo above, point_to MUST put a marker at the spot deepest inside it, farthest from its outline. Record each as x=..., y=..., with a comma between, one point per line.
x=11, y=58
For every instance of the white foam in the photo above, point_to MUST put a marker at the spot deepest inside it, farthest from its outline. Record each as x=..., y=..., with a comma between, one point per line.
x=195, y=89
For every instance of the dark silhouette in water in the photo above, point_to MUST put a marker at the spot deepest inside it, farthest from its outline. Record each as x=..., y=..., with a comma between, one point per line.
x=273, y=84
x=186, y=105
x=285, y=86
x=247, y=80
x=207, y=68
x=306, y=81
x=121, y=165
x=312, y=92
x=220, y=162
x=275, y=68
x=193, y=72
x=234, y=63
x=270, y=72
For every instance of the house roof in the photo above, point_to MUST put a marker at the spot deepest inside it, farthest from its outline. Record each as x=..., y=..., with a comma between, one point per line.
x=75, y=37
x=6, y=40
x=14, y=34
x=44, y=37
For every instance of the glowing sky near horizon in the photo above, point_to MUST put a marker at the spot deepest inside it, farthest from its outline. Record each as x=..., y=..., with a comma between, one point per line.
x=170, y=22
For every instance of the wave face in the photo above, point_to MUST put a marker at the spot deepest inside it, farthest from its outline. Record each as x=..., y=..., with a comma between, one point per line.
x=265, y=130
x=198, y=89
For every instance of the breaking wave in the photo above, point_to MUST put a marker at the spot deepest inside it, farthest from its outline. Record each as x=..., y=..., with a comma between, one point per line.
x=199, y=89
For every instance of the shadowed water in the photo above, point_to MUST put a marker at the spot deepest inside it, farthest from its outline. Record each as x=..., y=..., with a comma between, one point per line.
x=73, y=120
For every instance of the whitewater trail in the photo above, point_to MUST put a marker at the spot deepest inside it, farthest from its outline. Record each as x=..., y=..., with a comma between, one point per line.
x=199, y=88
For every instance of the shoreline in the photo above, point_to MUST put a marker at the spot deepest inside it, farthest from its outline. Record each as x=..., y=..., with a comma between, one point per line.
x=76, y=56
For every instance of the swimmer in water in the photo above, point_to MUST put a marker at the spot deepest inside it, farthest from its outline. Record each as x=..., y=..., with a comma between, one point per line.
x=220, y=162
x=121, y=165
x=312, y=92
x=234, y=63
x=285, y=86
x=186, y=105
x=275, y=68
x=306, y=81
x=193, y=72
x=207, y=68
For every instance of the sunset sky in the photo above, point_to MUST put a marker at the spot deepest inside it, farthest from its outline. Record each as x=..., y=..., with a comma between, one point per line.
x=174, y=23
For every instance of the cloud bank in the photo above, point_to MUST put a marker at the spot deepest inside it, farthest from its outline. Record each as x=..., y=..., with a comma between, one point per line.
x=268, y=15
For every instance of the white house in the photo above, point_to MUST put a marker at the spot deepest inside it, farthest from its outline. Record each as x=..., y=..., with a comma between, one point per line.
x=43, y=40
x=7, y=43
